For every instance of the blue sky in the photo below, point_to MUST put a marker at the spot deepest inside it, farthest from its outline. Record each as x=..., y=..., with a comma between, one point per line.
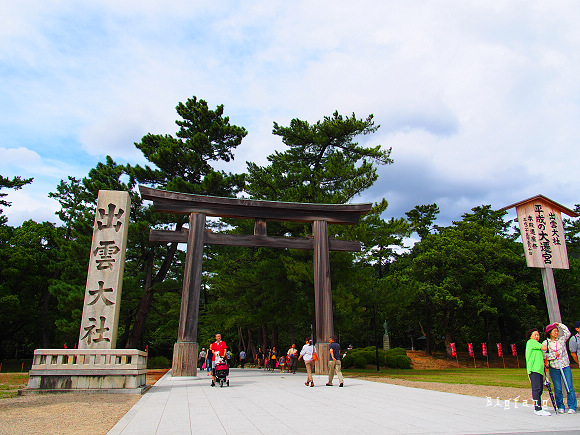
x=479, y=101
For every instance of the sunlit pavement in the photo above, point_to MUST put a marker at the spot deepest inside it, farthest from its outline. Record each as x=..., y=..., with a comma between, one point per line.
x=278, y=403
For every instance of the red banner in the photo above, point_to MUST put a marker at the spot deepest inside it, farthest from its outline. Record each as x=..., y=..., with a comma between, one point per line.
x=484, y=349
x=499, y=351
x=470, y=349
x=453, y=352
x=514, y=351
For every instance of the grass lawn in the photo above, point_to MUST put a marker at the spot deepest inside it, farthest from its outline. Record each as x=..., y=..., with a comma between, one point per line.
x=10, y=383
x=516, y=378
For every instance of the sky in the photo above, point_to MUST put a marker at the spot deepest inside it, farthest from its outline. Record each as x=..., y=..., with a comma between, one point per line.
x=479, y=101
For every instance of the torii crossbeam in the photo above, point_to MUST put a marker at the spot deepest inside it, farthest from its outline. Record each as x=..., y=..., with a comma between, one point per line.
x=198, y=207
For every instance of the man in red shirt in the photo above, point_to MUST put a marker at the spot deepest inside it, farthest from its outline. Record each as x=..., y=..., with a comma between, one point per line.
x=217, y=348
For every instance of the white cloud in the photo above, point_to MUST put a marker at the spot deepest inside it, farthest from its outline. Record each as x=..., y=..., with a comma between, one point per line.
x=27, y=204
x=28, y=163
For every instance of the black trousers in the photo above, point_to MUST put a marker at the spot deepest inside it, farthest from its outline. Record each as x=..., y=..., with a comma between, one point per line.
x=536, y=380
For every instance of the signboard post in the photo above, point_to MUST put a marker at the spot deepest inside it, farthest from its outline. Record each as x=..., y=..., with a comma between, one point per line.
x=542, y=231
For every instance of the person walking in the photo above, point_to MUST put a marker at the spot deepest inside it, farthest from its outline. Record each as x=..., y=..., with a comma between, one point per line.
x=267, y=359
x=334, y=363
x=293, y=354
x=260, y=356
x=574, y=343
x=208, y=358
x=218, y=349
x=201, y=358
x=273, y=358
x=557, y=355
x=242, y=358
x=535, y=367
x=306, y=354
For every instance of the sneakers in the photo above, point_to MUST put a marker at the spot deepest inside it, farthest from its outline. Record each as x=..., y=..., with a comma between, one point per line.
x=561, y=410
x=212, y=383
x=542, y=412
x=341, y=385
x=571, y=411
x=329, y=385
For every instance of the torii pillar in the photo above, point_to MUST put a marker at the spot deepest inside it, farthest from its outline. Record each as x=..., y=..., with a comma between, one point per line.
x=185, y=350
x=322, y=295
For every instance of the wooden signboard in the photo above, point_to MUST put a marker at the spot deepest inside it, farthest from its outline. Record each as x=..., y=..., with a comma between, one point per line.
x=543, y=234
x=544, y=242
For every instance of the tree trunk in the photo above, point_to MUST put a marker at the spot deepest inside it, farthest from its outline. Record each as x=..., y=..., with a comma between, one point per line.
x=275, y=336
x=448, y=337
x=46, y=310
x=251, y=350
x=45, y=322
x=136, y=334
x=264, y=337
x=427, y=330
x=502, y=331
x=488, y=330
x=122, y=341
x=292, y=334
x=241, y=344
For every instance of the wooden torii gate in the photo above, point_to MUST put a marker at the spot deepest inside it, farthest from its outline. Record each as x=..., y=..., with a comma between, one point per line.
x=185, y=350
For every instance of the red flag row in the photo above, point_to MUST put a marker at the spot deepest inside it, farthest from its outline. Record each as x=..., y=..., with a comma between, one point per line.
x=483, y=349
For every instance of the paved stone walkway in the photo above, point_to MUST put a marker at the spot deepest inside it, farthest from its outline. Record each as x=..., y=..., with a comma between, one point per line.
x=279, y=403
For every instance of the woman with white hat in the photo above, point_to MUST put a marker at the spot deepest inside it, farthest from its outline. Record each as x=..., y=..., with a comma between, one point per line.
x=557, y=334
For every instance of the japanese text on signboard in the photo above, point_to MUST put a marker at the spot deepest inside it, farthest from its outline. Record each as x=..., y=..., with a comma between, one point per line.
x=542, y=235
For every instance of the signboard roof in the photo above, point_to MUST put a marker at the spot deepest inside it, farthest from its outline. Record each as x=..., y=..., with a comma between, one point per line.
x=553, y=204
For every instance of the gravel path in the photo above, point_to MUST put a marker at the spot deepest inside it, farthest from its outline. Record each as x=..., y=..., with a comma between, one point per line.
x=67, y=413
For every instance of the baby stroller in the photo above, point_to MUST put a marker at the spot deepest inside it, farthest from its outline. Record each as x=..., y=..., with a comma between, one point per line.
x=221, y=371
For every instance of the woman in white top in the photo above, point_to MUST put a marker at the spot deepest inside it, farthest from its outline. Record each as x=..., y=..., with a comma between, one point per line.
x=306, y=353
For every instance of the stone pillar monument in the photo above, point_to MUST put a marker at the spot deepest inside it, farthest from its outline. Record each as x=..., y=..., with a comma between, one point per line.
x=105, y=276
x=96, y=364
x=386, y=339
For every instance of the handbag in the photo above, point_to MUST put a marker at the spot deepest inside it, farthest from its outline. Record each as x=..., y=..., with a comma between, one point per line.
x=314, y=355
x=203, y=366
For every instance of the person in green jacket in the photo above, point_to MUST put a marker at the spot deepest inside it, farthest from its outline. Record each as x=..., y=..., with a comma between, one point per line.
x=535, y=367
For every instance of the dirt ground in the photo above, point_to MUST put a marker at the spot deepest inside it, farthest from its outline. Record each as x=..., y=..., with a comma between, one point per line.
x=67, y=413
x=73, y=413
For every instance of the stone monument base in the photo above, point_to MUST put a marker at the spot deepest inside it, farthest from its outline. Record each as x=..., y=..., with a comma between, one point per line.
x=87, y=370
x=386, y=342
